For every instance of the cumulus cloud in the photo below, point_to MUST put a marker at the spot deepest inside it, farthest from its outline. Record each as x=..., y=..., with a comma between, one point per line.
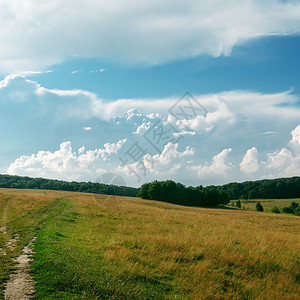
x=149, y=32
x=295, y=141
x=65, y=163
x=142, y=128
x=218, y=166
x=234, y=119
x=249, y=163
x=286, y=162
x=168, y=162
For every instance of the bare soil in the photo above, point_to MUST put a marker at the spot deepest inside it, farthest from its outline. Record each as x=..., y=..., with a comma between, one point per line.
x=21, y=285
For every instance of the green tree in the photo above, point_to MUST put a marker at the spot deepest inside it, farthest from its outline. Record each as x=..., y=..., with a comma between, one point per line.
x=143, y=191
x=252, y=194
x=259, y=207
x=238, y=203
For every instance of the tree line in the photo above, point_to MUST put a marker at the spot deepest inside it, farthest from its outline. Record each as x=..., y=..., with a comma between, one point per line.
x=18, y=182
x=177, y=193
x=169, y=191
x=281, y=188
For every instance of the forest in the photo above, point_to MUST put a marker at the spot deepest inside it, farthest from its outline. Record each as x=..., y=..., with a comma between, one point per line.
x=281, y=188
x=169, y=191
x=177, y=193
x=18, y=182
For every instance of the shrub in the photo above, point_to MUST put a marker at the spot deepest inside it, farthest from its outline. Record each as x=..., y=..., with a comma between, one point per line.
x=238, y=204
x=287, y=210
x=297, y=211
x=276, y=210
x=259, y=207
x=293, y=205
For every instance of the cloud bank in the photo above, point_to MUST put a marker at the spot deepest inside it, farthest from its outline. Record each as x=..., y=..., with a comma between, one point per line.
x=65, y=163
x=35, y=34
x=244, y=134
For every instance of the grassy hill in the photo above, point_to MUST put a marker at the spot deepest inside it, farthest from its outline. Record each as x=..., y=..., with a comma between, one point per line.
x=91, y=246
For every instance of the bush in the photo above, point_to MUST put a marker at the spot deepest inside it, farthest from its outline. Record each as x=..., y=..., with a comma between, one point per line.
x=287, y=210
x=259, y=207
x=293, y=208
x=297, y=211
x=238, y=204
x=293, y=205
x=276, y=210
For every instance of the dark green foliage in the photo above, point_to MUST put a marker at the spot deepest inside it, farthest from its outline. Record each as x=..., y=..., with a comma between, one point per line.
x=8, y=181
x=259, y=207
x=276, y=210
x=297, y=211
x=294, y=205
x=177, y=193
x=238, y=203
x=293, y=208
x=287, y=210
x=281, y=188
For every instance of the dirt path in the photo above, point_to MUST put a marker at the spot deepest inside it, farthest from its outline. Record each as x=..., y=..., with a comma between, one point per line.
x=21, y=285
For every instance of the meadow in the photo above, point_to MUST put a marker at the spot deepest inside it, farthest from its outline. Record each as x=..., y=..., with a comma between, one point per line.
x=105, y=247
x=267, y=204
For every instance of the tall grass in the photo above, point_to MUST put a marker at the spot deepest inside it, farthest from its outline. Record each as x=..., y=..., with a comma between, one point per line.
x=267, y=204
x=128, y=248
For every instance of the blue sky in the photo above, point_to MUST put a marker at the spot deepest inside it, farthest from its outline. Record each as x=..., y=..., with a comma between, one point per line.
x=80, y=88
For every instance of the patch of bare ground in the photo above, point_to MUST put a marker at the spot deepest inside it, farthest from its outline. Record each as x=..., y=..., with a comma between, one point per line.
x=21, y=285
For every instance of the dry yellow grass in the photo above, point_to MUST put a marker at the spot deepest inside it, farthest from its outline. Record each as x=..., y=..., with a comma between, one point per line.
x=132, y=248
x=268, y=204
x=209, y=252
x=15, y=203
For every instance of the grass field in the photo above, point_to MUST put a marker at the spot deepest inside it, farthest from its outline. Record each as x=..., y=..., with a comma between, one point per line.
x=267, y=204
x=92, y=247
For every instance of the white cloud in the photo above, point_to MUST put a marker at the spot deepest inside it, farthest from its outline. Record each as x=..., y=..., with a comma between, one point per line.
x=76, y=71
x=295, y=141
x=269, y=132
x=280, y=159
x=286, y=162
x=65, y=163
x=205, y=123
x=113, y=148
x=249, y=163
x=168, y=162
x=222, y=108
x=148, y=32
x=235, y=120
x=184, y=133
x=87, y=128
x=218, y=166
x=142, y=128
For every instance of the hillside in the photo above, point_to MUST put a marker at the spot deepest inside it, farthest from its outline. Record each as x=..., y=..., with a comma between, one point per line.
x=91, y=246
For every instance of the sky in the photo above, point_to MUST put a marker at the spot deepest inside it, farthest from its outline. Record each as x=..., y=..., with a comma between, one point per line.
x=200, y=92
